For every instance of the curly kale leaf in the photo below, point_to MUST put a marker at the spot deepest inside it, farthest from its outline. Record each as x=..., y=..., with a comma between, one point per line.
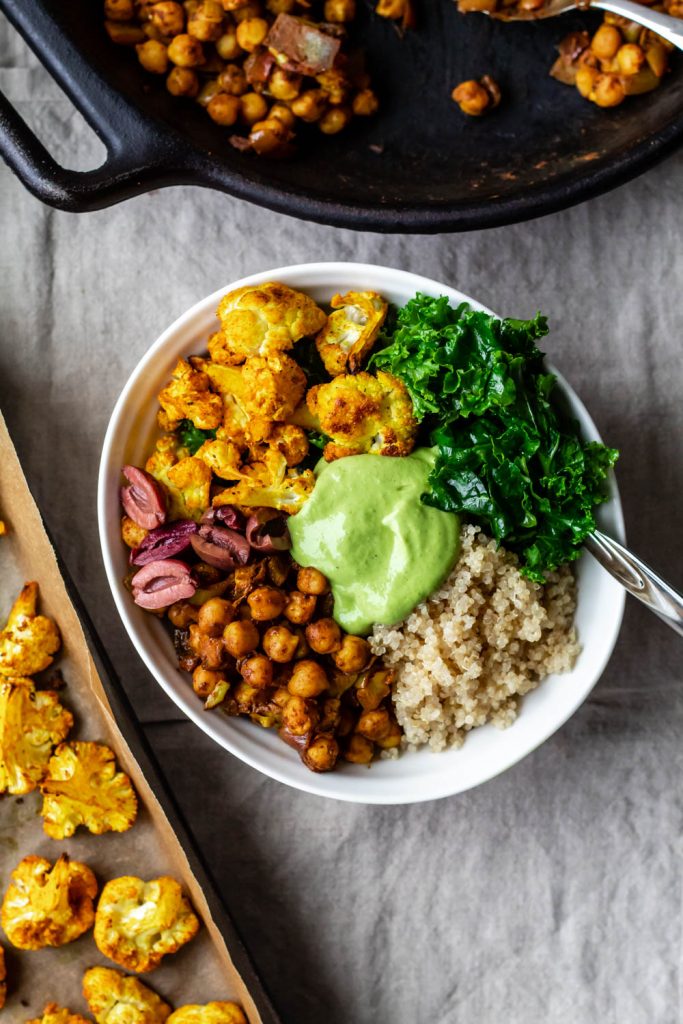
x=192, y=437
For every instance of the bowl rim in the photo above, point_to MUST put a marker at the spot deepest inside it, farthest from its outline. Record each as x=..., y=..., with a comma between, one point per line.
x=336, y=785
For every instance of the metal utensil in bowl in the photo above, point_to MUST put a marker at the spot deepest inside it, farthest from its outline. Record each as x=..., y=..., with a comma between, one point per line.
x=664, y=25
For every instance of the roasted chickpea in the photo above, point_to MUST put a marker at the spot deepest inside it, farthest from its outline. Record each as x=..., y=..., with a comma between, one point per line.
x=374, y=725
x=214, y=616
x=308, y=679
x=280, y=644
x=299, y=717
x=251, y=32
x=124, y=33
x=340, y=10
x=359, y=750
x=257, y=671
x=310, y=105
x=247, y=11
x=223, y=109
x=392, y=738
x=365, y=103
x=132, y=534
x=324, y=636
x=209, y=649
x=266, y=603
x=233, y=80
x=606, y=42
x=253, y=107
x=311, y=581
x=206, y=24
x=300, y=607
x=205, y=680
x=279, y=112
x=227, y=46
x=585, y=79
x=240, y=637
x=335, y=84
x=471, y=97
x=208, y=91
x=269, y=136
x=245, y=697
x=119, y=10
x=321, y=754
x=182, y=614
x=607, y=91
x=630, y=59
x=185, y=51
x=182, y=82
x=169, y=17
x=353, y=655
x=284, y=85
x=334, y=120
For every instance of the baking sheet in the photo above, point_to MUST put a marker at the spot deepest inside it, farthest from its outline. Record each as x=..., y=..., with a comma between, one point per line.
x=202, y=970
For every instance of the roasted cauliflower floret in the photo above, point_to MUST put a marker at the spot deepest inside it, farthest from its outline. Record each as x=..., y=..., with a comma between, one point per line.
x=187, y=397
x=114, y=998
x=54, y=1014
x=186, y=481
x=138, y=923
x=266, y=389
x=262, y=320
x=46, y=905
x=269, y=484
x=350, y=332
x=209, y=1013
x=224, y=458
x=28, y=641
x=364, y=414
x=32, y=722
x=290, y=441
x=83, y=787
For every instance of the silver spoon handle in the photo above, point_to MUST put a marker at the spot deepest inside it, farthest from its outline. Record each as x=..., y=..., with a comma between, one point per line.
x=638, y=579
x=663, y=24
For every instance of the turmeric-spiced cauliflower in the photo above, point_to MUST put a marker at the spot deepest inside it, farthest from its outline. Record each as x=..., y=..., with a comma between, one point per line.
x=28, y=641
x=82, y=787
x=114, y=998
x=32, y=722
x=364, y=414
x=138, y=923
x=208, y=1013
x=187, y=397
x=268, y=482
x=46, y=905
x=263, y=320
x=351, y=330
x=54, y=1014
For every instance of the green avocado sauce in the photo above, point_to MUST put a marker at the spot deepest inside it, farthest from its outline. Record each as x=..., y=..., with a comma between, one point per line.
x=365, y=528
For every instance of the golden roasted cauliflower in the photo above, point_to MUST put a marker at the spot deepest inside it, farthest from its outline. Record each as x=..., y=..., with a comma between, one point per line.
x=261, y=389
x=3, y=978
x=32, y=722
x=269, y=483
x=46, y=905
x=208, y=1013
x=364, y=414
x=186, y=481
x=114, y=998
x=83, y=787
x=138, y=923
x=262, y=320
x=187, y=396
x=54, y=1014
x=350, y=332
x=28, y=641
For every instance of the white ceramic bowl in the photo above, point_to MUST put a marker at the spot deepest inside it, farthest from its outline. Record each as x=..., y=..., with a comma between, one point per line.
x=414, y=776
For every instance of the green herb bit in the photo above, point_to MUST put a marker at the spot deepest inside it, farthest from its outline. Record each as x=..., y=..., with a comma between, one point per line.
x=192, y=437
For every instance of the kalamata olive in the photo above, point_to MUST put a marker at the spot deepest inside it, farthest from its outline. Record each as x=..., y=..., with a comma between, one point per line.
x=224, y=515
x=144, y=499
x=220, y=546
x=162, y=583
x=267, y=532
x=164, y=542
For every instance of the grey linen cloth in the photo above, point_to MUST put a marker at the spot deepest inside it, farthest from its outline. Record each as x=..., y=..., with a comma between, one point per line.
x=551, y=895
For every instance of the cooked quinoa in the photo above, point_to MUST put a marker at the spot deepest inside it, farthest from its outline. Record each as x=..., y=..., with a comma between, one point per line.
x=466, y=655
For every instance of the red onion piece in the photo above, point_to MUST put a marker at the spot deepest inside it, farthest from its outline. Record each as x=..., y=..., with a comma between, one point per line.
x=268, y=534
x=221, y=547
x=164, y=542
x=162, y=583
x=144, y=499
x=225, y=515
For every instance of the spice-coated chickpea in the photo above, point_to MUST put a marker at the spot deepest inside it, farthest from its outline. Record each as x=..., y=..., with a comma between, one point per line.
x=630, y=59
x=298, y=716
x=269, y=136
x=471, y=97
x=280, y=644
x=606, y=42
x=585, y=79
x=245, y=696
x=208, y=91
x=185, y=51
x=359, y=750
x=246, y=11
x=311, y=581
x=300, y=607
x=353, y=655
x=227, y=46
x=257, y=671
x=324, y=636
x=266, y=603
x=321, y=754
x=335, y=84
x=240, y=637
x=365, y=103
x=310, y=105
x=182, y=614
x=308, y=679
x=182, y=82
x=233, y=80
x=284, y=85
x=223, y=109
x=251, y=32
x=374, y=725
x=607, y=91
x=206, y=24
x=124, y=33
x=214, y=616
x=340, y=10
x=334, y=120
x=153, y=56
x=169, y=17
x=132, y=534
x=209, y=649
x=279, y=112
x=392, y=738
x=204, y=680
x=119, y=10
x=253, y=107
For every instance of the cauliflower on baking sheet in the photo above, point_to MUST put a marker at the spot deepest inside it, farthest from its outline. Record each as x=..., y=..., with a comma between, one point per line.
x=351, y=330
x=32, y=722
x=54, y=1014
x=269, y=483
x=82, y=787
x=46, y=905
x=138, y=923
x=362, y=414
x=28, y=641
x=114, y=998
x=209, y=1013
x=262, y=320
x=187, y=396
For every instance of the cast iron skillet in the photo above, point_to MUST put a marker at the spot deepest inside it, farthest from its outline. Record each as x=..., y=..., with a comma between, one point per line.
x=419, y=166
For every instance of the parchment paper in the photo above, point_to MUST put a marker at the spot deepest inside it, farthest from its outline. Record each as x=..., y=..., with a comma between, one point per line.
x=202, y=970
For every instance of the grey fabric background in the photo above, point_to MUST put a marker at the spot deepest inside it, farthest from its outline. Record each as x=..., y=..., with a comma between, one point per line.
x=552, y=895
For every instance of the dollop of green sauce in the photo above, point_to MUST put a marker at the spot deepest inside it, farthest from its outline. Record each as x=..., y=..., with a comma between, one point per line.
x=365, y=528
